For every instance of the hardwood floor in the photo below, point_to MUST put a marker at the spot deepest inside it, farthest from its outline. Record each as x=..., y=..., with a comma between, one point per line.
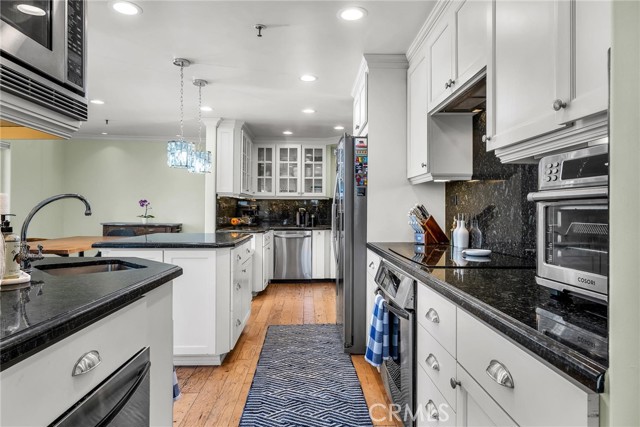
x=215, y=396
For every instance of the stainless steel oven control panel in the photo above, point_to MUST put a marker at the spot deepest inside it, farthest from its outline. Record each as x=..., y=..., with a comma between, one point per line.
x=582, y=168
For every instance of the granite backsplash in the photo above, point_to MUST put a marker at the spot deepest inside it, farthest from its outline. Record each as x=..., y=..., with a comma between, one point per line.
x=497, y=196
x=272, y=211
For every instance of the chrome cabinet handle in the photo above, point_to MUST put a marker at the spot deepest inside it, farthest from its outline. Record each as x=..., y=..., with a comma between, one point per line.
x=433, y=362
x=454, y=383
x=432, y=315
x=486, y=138
x=424, y=165
x=248, y=251
x=500, y=374
x=372, y=264
x=559, y=104
x=239, y=257
x=244, y=270
x=432, y=410
x=88, y=362
x=357, y=127
x=238, y=322
x=449, y=84
x=238, y=286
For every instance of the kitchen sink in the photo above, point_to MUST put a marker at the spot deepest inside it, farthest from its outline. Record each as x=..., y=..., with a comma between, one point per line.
x=88, y=267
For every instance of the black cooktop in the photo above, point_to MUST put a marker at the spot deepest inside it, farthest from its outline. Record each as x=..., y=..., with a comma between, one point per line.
x=445, y=256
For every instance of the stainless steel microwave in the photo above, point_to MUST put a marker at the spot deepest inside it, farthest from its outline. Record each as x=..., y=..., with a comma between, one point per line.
x=573, y=222
x=43, y=60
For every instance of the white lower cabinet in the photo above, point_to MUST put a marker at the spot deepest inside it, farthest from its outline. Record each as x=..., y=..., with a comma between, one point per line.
x=322, y=257
x=262, y=261
x=45, y=379
x=206, y=305
x=475, y=406
x=373, y=261
x=432, y=409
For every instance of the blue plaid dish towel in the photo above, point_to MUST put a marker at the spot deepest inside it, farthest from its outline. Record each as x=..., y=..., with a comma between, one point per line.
x=176, y=387
x=378, y=341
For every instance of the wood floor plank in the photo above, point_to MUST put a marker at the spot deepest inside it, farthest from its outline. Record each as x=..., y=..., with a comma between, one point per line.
x=215, y=396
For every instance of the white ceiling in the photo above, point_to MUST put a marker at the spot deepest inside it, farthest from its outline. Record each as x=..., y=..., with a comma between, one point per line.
x=251, y=79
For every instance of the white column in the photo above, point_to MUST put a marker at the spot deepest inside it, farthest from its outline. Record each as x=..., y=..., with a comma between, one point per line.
x=210, y=187
x=5, y=176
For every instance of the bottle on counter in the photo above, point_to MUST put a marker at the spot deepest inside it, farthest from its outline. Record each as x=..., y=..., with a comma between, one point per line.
x=475, y=235
x=11, y=249
x=2, y=256
x=452, y=231
x=461, y=234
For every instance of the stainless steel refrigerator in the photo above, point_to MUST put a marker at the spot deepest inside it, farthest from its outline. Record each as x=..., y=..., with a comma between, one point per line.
x=349, y=234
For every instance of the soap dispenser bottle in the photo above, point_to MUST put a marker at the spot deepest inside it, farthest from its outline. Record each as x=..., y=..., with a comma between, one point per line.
x=11, y=249
x=461, y=234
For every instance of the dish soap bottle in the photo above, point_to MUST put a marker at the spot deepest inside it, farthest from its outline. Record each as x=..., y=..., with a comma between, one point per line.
x=475, y=235
x=11, y=249
x=461, y=234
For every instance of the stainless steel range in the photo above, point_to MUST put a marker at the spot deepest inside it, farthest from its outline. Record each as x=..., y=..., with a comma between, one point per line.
x=573, y=222
x=398, y=291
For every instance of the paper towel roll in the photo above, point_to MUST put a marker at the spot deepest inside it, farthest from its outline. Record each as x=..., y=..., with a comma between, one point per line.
x=5, y=208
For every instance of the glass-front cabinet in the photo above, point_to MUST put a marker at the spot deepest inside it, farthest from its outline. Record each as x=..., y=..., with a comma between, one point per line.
x=265, y=160
x=288, y=170
x=313, y=181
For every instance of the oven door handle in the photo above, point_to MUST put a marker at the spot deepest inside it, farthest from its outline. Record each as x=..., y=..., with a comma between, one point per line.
x=397, y=312
x=569, y=194
x=125, y=399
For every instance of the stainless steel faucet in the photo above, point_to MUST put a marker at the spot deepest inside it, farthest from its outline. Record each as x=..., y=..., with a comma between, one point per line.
x=25, y=256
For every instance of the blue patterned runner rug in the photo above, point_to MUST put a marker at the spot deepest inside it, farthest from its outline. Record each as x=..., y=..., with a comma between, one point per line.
x=304, y=378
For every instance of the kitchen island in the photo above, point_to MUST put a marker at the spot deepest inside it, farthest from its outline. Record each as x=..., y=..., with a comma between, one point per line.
x=212, y=300
x=69, y=309
x=497, y=313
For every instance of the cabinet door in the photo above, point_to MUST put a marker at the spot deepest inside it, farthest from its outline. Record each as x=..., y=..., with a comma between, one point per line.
x=471, y=20
x=521, y=77
x=288, y=165
x=266, y=258
x=584, y=36
x=356, y=114
x=475, y=406
x=417, y=151
x=246, y=174
x=193, y=301
x=317, y=255
x=362, y=104
x=313, y=171
x=371, y=296
x=440, y=63
x=265, y=170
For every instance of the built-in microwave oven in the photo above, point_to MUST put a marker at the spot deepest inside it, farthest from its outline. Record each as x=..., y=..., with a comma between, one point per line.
x=42, y=52
x=573, y=222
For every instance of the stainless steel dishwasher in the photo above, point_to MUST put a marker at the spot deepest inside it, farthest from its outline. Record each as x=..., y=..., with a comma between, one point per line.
x=292, y=259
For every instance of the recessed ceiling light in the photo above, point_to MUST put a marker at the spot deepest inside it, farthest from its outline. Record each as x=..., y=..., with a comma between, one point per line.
x=97, y=101
x=105, y=133
x=338, y=127
x=308, y=111
x=126, y=7
x=206, y=108
x=31, y=10
x=352, y=13
x=287, y=132
x=308, y=78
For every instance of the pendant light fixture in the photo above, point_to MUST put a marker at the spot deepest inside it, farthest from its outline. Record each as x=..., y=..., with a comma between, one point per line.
x=201, y=157
x=180, y=151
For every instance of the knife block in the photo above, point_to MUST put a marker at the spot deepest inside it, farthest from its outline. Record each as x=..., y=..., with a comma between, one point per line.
x=433, y=233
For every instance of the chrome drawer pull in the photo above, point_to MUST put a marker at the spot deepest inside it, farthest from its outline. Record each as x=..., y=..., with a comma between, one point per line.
x=238, y=286
x=239, y=257
x=88, y=362
x=454, y=383
x=248, y=250
x=433, y=362
x=500, y=374
x=244, y=270
x=432, y=315
x=371, y=264
x=432, y=411
x=238, y=322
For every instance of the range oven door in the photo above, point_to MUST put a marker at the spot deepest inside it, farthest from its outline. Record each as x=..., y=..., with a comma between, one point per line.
x=573, y=245
x=397, y=371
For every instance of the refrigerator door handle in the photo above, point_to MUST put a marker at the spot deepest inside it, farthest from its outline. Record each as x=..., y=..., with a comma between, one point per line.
x=334, y=220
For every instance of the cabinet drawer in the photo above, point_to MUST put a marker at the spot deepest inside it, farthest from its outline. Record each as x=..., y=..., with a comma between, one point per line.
x=268, y=237
x=373, y=261
x=537, y=395
x=241, y=253
x=437, y=363
x=427, y=398
x=438, y=316
x=46, y=376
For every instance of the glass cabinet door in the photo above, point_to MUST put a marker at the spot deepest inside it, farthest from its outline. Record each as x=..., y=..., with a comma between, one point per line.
x=288, y=170
x=265, y=170
x=313, y=170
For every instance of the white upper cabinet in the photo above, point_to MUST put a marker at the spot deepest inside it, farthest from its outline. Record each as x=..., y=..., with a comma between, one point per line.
x=233, y=159
x=300, y=170
x=313, y=171
x=417, y=119
x=457, y=49
x=549, y=68
x=288, y=170
x=360, y=112
x=264, y=156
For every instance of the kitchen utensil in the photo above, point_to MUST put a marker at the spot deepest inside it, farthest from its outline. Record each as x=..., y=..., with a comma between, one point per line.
x=477, y=252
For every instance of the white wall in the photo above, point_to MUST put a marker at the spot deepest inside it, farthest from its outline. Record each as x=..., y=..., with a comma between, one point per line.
x=390, y=193
x=620, y=403
x=112, y=175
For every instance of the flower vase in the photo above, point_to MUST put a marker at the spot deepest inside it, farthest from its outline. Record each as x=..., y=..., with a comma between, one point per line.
x=144, y=220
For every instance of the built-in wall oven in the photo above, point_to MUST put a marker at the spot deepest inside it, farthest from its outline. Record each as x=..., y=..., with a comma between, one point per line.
x=573, y=222
x=398, y=291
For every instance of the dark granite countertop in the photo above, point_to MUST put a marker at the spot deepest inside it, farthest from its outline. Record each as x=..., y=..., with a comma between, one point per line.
x=50, y=308
x=140, y=224
x=508, y=300
x=178, y=240
x=268, y=227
